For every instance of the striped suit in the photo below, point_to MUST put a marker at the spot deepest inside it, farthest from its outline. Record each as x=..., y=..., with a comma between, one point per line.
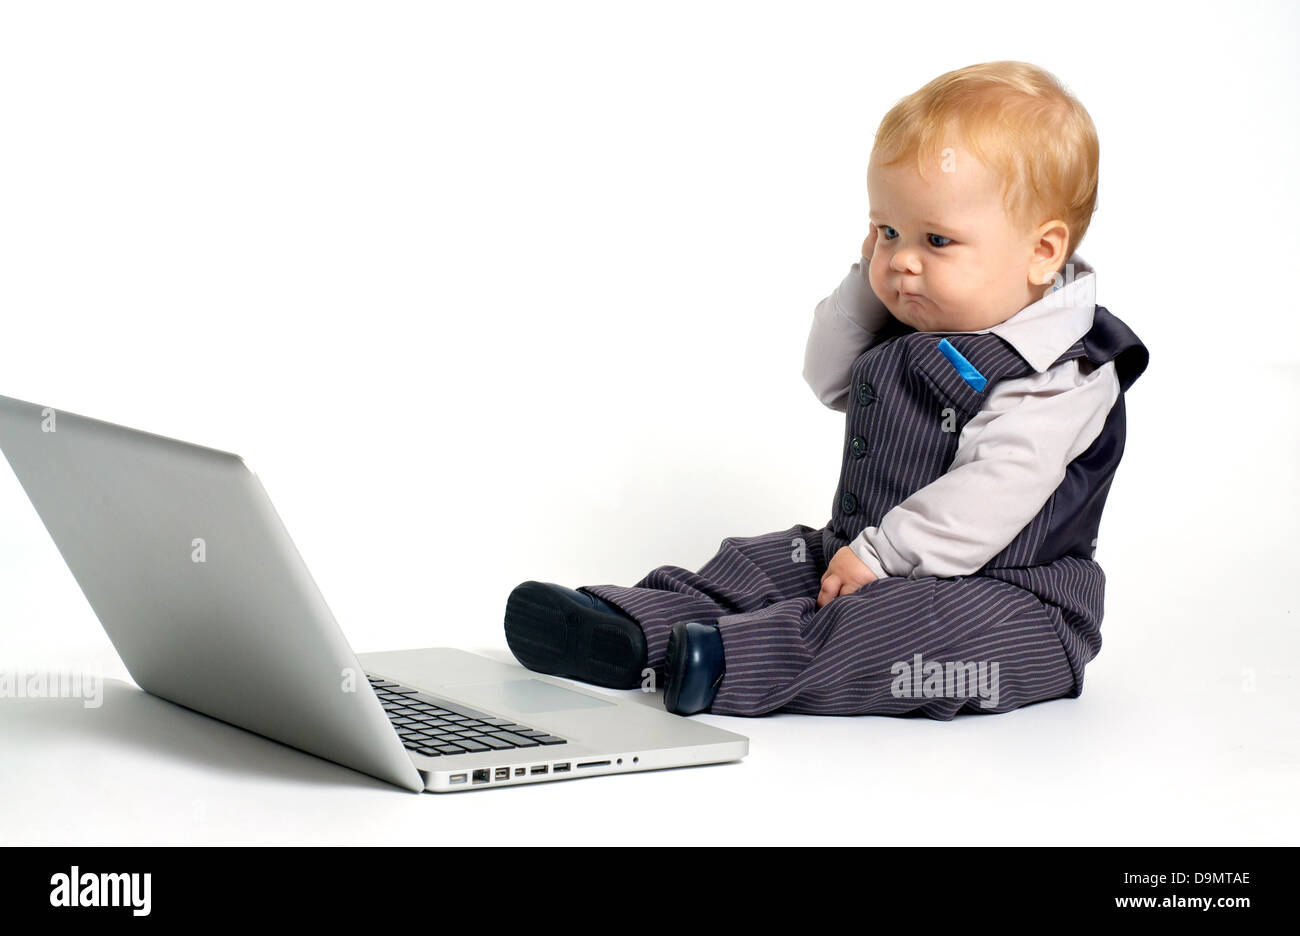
x=1022, y=627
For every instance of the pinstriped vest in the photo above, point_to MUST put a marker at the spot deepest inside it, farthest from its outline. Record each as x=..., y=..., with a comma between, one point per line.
x=906, y=409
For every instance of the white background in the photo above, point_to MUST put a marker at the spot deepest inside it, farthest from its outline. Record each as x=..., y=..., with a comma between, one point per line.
x=492, y=292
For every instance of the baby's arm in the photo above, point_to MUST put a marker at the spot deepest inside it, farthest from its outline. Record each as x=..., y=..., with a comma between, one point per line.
x=845, y=324
x=1010, y=458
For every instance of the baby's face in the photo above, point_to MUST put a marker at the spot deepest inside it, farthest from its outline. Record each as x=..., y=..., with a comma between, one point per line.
x=949, y=240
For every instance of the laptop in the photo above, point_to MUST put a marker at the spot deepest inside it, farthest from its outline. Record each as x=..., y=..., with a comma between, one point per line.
x=196, y=581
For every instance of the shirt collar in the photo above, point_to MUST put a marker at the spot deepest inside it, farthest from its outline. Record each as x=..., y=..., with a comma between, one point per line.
x=1043, y=330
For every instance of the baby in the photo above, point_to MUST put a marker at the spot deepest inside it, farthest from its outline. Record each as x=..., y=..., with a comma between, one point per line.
x=983, y=391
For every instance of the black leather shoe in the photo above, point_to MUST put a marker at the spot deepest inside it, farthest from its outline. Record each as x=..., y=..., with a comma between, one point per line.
x=564, y=632
x=693, y=667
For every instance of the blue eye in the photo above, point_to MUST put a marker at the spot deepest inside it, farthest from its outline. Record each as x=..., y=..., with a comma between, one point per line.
x=946, y=240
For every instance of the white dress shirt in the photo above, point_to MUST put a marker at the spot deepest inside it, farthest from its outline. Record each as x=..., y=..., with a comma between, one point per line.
x=1011, y=455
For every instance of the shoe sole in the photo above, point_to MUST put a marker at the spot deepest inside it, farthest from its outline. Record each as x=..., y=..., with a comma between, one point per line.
x=674, y=670
x=676, y=662
x=550, y=633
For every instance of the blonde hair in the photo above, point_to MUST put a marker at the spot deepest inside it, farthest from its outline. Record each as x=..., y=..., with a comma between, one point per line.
x=1018, y=120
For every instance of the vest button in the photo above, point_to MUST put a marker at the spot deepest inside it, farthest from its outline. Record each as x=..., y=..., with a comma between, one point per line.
x=858, y=446
x=848, y=503
x=866, y=394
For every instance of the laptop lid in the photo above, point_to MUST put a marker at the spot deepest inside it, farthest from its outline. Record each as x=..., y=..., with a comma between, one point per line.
x=196, y=581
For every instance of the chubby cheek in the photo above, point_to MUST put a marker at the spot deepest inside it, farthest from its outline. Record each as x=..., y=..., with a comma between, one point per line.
x=876, y=276
x=953, y=302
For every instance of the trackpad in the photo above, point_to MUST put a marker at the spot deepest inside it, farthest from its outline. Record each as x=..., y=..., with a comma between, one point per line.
x=526, y=695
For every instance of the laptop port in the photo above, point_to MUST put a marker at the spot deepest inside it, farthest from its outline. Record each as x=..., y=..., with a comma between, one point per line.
x=519, y=771
x=540, y=768
x=503, y=773
x=481, y=776
x=561, y=768
x=458, y=778
x=594, y=763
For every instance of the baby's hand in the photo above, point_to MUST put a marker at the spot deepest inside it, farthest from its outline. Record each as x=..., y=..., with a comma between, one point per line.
x=869, y=245
x=845, y=575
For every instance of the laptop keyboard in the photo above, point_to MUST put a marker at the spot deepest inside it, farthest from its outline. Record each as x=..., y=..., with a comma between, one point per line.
x=437, y=728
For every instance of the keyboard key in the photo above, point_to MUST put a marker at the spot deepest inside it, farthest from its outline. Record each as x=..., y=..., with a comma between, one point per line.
x=514, y=739
x=450, y=749
x=550, y=739
x=429, y=752
x=495, y=743
x=469, y=745
x=462, y=732
x=461, y=710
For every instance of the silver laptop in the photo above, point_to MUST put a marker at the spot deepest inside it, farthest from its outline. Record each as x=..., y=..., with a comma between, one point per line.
x=185, y=562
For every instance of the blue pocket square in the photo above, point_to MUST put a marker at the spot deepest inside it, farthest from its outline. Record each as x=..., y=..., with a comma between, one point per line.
x=964, y=367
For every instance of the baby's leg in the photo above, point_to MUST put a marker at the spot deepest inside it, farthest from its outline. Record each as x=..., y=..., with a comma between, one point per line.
x=996, y=647
x=551, y=629
x=747, y=573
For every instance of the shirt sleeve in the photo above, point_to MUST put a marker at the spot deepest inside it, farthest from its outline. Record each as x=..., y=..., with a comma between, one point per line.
x=845, y=324
x=1010, y=457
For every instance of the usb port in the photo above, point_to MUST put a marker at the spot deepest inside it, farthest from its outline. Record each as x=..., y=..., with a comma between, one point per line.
x=540, y=768
x=561, y=768
x=503, y=773
x=481, y=776
x=458, y=778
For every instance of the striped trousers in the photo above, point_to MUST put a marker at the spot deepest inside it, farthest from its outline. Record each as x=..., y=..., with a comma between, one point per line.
x=873, y=651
